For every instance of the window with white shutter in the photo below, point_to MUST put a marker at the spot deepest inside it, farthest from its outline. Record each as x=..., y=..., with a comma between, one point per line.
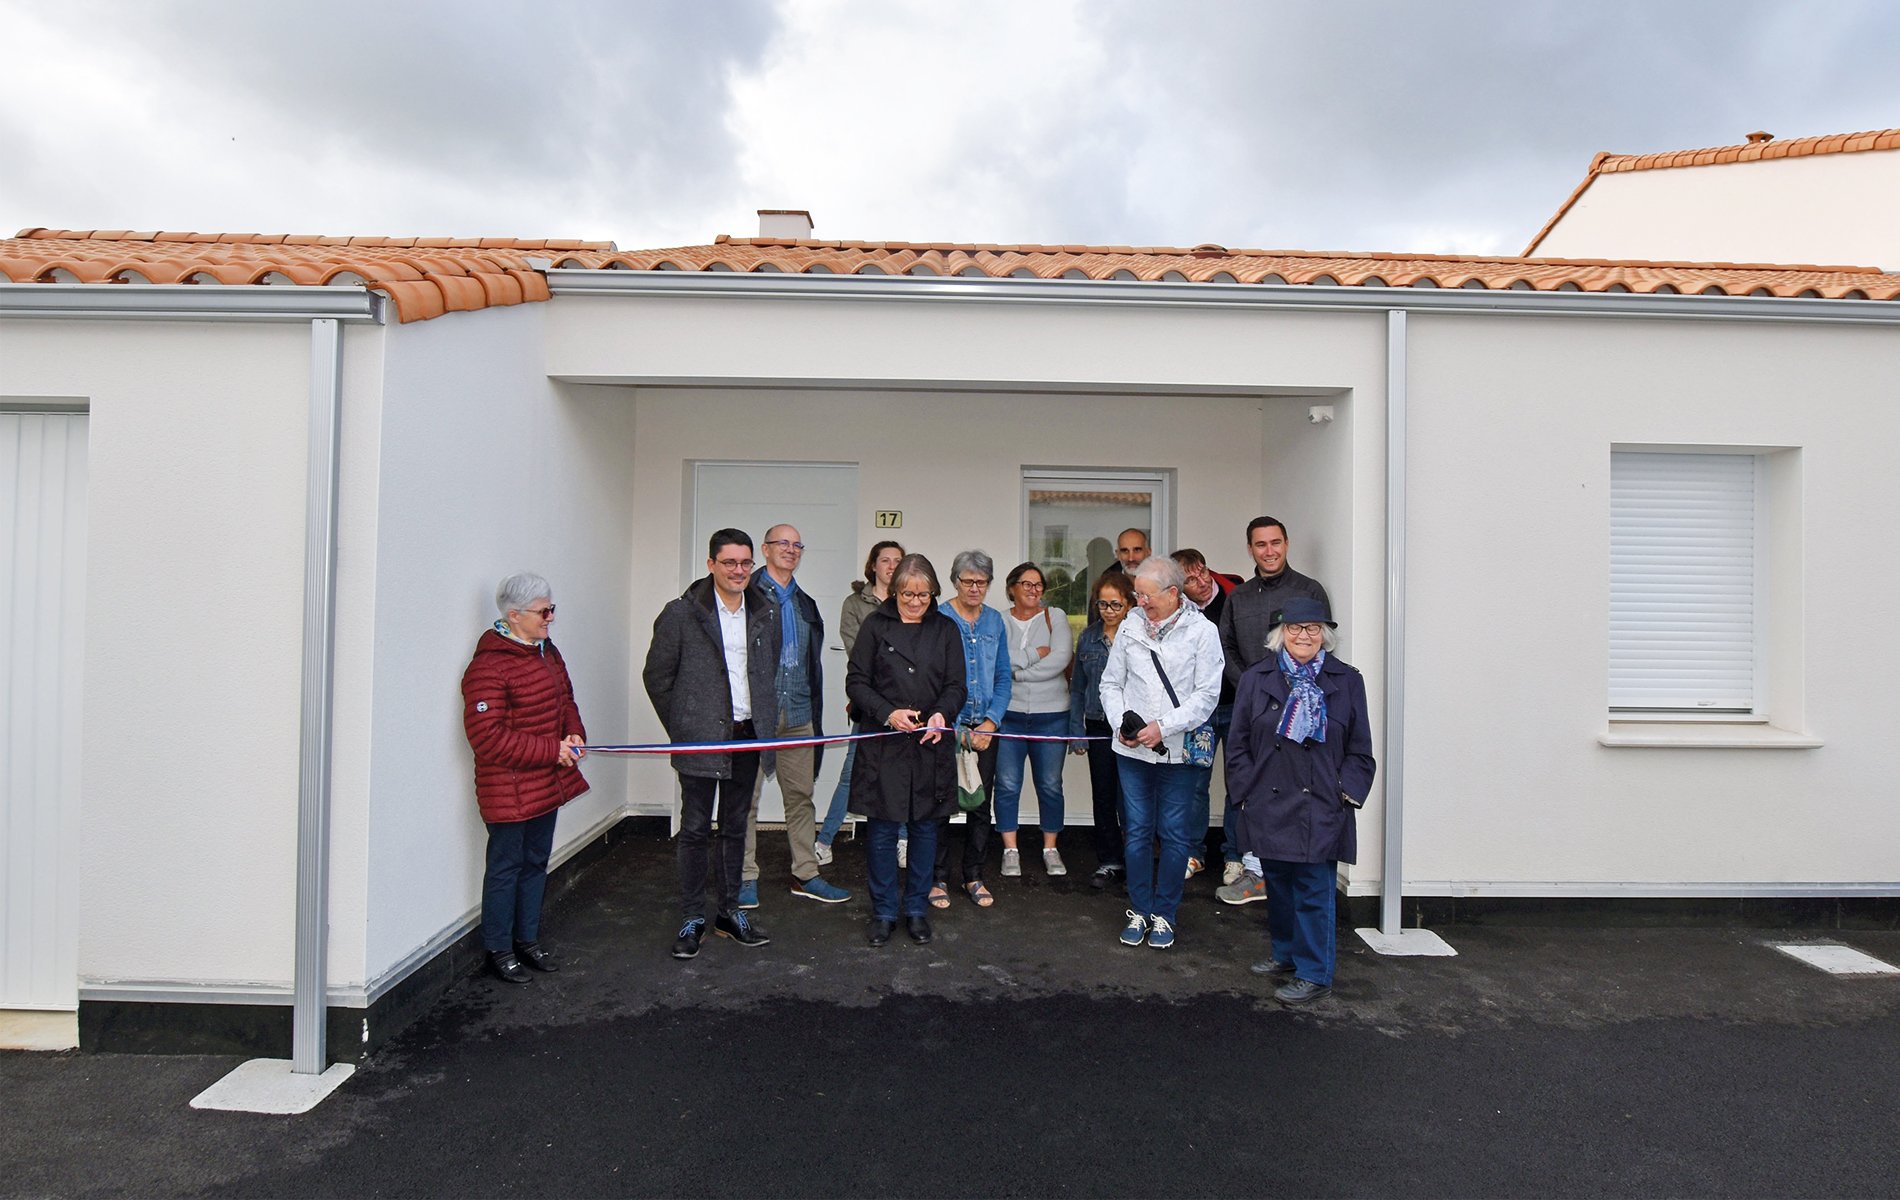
x=1686, y=531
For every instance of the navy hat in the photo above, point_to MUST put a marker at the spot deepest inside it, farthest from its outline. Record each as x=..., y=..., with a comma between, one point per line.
x=1304, y=610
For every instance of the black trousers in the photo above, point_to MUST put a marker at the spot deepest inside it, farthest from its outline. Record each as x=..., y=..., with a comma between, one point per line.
x=733, y=799
x=1105, y=788
x=974, y=845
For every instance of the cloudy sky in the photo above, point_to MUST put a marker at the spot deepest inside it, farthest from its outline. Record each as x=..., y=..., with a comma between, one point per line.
x=1438, y=125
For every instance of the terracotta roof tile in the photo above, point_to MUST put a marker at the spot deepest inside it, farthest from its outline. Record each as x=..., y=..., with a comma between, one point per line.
x=1201, y=265
x=423, y=277
x=1606, y=163
x=426, y=277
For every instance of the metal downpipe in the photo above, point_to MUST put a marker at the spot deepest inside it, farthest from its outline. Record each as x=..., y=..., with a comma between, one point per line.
x=1392, y=889
x=310, y=975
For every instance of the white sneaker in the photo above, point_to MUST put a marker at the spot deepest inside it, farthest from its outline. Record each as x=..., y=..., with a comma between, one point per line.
x=1229, y=874
x=1052, y=862
x=903, y=852
x=822, y=851
x=1193, y=868
x=1012, y=862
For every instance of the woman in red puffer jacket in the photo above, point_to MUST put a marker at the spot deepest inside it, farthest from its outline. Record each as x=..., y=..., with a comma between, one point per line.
x=519, y=713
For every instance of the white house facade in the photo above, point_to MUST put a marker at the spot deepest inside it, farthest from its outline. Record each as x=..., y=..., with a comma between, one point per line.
x=1793, y=200
x=1468, y=453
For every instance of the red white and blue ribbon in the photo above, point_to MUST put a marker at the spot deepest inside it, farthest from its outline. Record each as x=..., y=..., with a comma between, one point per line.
x=794, y=743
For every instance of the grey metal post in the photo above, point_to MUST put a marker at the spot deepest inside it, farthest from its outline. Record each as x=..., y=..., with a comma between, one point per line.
x=1393, y=889
x=308, y=1050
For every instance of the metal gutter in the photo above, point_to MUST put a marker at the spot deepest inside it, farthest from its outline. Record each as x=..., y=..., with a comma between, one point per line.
x=190, y=302
x=1295, y=297
x=319, y=686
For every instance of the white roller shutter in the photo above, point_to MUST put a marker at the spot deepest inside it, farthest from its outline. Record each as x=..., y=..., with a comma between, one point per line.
x=42, y=600
x=1683, y=581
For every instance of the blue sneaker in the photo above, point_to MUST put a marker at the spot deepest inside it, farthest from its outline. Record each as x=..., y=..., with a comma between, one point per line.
x=1136, y=930
x=749, y=894
x=1160, y=933
x=817, y=889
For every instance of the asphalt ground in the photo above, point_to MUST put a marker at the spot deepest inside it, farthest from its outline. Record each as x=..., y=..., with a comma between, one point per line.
x=1025, y=1053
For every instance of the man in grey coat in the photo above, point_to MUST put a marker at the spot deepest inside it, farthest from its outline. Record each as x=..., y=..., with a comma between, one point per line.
x=1251, y=610
x=710, y=671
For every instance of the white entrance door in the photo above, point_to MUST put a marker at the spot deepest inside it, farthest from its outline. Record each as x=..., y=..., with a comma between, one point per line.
x=821, y=499
x=42, y=553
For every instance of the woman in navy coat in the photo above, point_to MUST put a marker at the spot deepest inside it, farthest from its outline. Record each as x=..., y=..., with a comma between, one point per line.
x=1299, y=766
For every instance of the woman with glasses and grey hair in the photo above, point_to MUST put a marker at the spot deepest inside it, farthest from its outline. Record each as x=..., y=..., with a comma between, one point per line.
x=986, y=679
x=522, y=723
x=1160, y=684
x=1299, y=765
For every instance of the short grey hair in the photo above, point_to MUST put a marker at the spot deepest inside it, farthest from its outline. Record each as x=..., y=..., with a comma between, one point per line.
x=519, y=590
x=1162, y=571
x=972, y=560
x=1328, y=638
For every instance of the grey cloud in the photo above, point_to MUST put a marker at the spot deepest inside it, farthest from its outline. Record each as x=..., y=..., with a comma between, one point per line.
x=1328, y=125
x=590, y=104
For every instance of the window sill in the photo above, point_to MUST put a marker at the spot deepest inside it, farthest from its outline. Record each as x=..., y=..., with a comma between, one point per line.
x=1704, y=736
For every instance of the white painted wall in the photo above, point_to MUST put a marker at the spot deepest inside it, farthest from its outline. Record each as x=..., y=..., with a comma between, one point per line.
x=1825, y=209
x=485, y=467
x=193, y=637
x=1512, y=421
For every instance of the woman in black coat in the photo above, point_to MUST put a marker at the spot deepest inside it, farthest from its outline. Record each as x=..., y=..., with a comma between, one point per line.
x=906, y=672
x=1299, y=765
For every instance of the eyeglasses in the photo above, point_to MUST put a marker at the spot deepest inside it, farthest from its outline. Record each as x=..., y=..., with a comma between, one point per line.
x=787, y=543
x=973, y=584
x=1110, y=605
x=544, y=613
x=913, y=595
x=1304, y=631
x=734, y=564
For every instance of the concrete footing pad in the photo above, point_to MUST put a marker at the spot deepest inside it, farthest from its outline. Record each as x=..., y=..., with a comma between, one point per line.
x=31, y=1029
x=268, y=1085
x=1407, y=942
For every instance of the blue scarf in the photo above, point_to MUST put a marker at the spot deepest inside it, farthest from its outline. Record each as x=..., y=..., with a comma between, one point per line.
x=787, y=619
x=1305, y=703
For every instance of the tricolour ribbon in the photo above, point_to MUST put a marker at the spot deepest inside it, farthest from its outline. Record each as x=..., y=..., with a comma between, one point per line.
x=794, y=743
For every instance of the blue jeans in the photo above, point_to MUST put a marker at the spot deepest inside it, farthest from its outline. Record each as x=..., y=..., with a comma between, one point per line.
x=1230, y=843
x=515, y=881
x=842, y=795
x=1044, y=758
x=1300, y=918
x=882, y=864
x=1157, y=800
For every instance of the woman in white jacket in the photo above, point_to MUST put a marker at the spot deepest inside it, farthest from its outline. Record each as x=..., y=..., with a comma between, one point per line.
x=1161, y=683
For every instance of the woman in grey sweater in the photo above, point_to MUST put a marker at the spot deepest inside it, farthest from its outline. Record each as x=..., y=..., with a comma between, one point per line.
x=1040, y=650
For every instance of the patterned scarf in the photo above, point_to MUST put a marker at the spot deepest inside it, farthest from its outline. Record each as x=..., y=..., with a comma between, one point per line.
x=1305, y=703
x=501, y=627
x=787, y=619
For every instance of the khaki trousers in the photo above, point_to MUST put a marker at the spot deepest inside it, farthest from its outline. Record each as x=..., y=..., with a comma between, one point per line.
x=801, y=825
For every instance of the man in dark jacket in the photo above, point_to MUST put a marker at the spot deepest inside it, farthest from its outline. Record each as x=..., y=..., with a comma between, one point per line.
x=1250, y=611
x=709, y=672
x=800, y=688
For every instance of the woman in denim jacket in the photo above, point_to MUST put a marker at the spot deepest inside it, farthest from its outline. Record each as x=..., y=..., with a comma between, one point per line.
x=1111, y=600
x=986, y=678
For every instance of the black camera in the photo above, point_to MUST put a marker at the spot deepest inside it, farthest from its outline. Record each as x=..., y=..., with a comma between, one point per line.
x=1132, y=724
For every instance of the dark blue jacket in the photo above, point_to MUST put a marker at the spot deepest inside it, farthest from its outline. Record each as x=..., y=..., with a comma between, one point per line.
x=814, y=669
x=1297, y=800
